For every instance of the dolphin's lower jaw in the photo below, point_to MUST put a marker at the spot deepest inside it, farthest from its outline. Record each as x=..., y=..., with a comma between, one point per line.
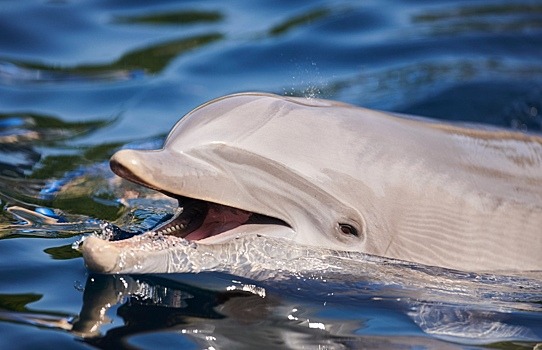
x=171, y=246
x=145, y=253
x=237, y=250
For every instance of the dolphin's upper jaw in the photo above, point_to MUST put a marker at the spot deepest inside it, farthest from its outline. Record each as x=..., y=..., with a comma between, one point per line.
x=196, y=219
x=125, y=173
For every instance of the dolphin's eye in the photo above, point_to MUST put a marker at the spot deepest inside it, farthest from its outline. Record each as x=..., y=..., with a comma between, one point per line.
x=348, y=229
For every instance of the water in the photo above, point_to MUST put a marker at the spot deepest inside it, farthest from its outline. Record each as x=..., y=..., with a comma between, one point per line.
x=79, y=80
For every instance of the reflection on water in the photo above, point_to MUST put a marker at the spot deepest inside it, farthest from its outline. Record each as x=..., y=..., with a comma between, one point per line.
x=68, y=179
x=21, y=134
x=132, y=65
x=303, y=19
x=79, y=80
x=123, y=309
x=174, y=18
x=487, y=18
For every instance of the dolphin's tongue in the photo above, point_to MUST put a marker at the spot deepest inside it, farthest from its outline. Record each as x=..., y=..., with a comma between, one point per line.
x=219, y=219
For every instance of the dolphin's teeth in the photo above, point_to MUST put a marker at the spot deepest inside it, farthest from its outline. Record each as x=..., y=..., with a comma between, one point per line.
x=171, y=229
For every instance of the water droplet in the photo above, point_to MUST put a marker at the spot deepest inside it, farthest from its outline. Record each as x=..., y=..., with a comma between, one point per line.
x=79, y=286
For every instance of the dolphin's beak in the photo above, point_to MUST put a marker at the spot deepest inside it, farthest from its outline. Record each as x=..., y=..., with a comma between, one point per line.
x=123, y=163
x=140, y=166
x=100, y=256
x=163, y=170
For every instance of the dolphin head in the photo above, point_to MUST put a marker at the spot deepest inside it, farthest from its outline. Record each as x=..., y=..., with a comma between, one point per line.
x=253, y=159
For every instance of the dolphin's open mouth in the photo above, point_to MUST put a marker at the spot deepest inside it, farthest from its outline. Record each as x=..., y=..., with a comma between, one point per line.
x=164, y=248
x=195, y=219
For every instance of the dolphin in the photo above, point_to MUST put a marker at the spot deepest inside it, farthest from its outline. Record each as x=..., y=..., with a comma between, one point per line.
x=325, y=174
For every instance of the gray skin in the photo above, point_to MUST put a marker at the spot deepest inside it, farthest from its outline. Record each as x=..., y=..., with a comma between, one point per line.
x=350, y=179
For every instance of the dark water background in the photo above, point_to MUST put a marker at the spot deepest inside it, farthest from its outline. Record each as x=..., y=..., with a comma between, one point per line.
x=79, y=79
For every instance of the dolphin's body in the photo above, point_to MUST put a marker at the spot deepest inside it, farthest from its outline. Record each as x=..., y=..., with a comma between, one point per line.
x=331, y=175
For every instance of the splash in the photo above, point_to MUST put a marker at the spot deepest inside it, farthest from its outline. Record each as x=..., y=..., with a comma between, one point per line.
x=307, y=82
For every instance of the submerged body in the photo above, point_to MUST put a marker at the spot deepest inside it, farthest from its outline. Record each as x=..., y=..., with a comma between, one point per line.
x=321, y=173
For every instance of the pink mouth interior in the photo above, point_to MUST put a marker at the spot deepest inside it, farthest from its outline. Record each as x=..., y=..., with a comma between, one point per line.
x=219, y=219
x=198, y=220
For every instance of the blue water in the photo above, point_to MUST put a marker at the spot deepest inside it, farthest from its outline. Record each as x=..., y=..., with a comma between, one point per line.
x=80, y=79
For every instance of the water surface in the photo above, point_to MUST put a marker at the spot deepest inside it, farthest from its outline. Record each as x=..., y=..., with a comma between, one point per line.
x=81, y=79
